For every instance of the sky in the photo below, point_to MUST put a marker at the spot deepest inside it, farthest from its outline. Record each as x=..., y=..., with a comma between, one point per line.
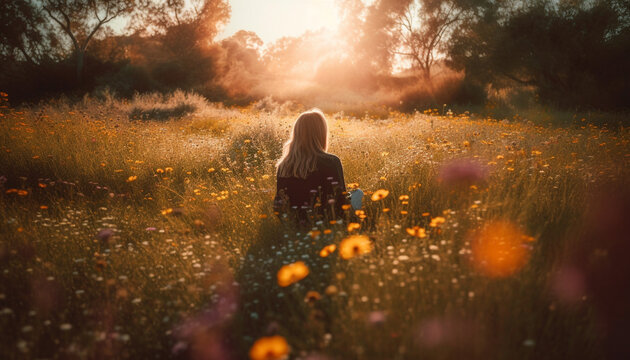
x=273, y=19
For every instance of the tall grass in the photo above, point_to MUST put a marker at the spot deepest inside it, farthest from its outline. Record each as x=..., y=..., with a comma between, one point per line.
x=156, y=239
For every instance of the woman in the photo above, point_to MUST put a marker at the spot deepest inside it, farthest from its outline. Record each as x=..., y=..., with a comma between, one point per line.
x=310, y=182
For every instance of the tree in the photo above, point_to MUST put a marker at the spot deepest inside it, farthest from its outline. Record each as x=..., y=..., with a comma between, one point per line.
x=25, y=34
x=81, y=20
x=571, y=53
x=424, y=29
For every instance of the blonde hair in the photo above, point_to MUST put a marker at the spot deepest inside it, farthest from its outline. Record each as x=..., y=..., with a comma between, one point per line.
x=309, y=139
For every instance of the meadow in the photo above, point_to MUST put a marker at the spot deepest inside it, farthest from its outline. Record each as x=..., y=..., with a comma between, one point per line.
x=144, y=229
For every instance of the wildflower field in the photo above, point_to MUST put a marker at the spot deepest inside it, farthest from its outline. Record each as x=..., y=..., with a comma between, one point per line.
x=143, y=229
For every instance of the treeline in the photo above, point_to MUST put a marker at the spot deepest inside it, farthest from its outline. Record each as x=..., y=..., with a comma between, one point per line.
x=407, y=53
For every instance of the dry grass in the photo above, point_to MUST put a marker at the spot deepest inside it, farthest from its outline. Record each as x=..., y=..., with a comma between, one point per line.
x=135, y=239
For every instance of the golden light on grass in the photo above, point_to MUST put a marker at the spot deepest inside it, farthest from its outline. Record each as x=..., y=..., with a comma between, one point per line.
x=380, y=194
x=354, y=245
x=292, y=273
x=417, y=231
x=269, y=348
x=499, y=249
x=327, y=250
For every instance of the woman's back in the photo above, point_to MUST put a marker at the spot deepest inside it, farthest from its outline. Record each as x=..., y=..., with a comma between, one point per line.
x=321, y=186
x=310, y=181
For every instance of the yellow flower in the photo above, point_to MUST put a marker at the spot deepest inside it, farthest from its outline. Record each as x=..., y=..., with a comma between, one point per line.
x=327, y=250
x=353, y=226
x=269, y=348
x=132, y=178
x=403, y=197
x=437, y=221
x=355, y=245
x=380, y=194
x=417, y=231
x=160, y=171
x=292, y=273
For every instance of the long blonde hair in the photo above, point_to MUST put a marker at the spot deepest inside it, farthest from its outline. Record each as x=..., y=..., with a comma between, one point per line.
x=309, y=138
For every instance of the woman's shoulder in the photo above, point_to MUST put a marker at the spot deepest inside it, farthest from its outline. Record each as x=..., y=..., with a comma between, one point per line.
x=329, y=158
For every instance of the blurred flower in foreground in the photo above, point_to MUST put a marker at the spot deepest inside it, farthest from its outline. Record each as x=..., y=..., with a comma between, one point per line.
x=47, y=295
x=461, y=173
x=499, y=249
x=292, y=273
x=201, y=335
x=380, y=194
x=461, y=337
x=105, y=234
x=355, y=245
x=269, y=348
x=376, y=317
x=601, y=256
x=568, y=284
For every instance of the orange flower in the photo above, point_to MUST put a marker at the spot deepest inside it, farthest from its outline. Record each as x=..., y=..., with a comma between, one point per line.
x=327, y=250
x=437, y=221
x=355, y=245
x=417, y=231
x=380, y=194
x=499, y=250
x=269, y=348
x=353, y=226
x=292, y=273
x=312, y=296
x=132, y=178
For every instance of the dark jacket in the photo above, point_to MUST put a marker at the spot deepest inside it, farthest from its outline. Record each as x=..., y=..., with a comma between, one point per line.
x=320, y=196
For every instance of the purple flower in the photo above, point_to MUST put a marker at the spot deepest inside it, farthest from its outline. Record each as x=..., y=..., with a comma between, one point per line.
x=104, y=234
x=462, y=172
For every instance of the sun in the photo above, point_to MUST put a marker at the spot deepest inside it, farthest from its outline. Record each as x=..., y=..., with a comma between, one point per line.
x=274, y=19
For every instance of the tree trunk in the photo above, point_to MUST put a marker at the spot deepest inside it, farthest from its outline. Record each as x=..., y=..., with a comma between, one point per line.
x=426, y=76
x=80, y=61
